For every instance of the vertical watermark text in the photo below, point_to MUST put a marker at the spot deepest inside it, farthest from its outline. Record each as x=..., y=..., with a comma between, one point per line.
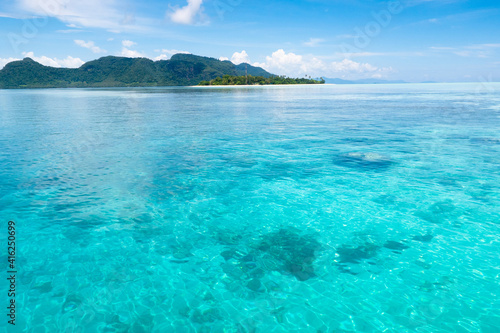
x=11, y=272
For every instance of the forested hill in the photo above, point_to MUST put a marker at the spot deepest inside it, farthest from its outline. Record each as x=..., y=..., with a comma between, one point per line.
x=180, y=70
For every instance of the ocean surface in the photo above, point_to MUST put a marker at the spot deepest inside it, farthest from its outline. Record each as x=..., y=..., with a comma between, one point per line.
x=357, y=208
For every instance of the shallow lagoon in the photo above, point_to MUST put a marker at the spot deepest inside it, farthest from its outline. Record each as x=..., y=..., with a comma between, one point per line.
x=360, y=208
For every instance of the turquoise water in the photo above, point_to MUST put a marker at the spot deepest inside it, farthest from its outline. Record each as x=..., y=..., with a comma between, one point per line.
x=265, y=209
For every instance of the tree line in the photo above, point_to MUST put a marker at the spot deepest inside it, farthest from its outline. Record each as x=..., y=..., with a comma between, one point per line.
x=230, y=80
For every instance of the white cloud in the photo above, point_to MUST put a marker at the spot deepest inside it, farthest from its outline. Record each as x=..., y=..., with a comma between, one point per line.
x=5, y=61
x=283, y=62
x=441, y=48
x=128, y=43
x=349, y=66
x=68, y=62
x=127, y=52
x=382, y=54
x=472, y=54
x=223, y=58
x=174, y=51
x=167, y=54
x=69, y=31
x=470, y=51
x=312, y=42
x=296, y=65
x=162, y=57
x=109, y=14
x=240, y=57
x=188, y=13
x=418, y=2
x=483, y=46
x=131, y=53
x=89, y=45
x=345, y=36
x=463, y=53
x=367, y=54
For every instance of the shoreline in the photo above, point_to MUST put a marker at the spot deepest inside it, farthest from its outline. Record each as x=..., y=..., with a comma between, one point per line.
x=261, y=85
x=477, y=84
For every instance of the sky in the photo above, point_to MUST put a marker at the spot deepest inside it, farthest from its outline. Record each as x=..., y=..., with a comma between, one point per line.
x=411, y=40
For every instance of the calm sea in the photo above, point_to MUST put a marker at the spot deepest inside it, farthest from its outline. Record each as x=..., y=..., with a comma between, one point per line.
x=362, y=208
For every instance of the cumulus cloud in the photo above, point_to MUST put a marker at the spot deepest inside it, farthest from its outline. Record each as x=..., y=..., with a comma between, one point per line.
x=282, y=61
x=223, y=58
x=128, y=43
x=295, y=65
x=167, y=54
x=188, y=13
x=127, y=52
x=162, y=57
x=131, y=53
x=349, y=66
x=89, y=45
x=68, y=62
x=5, y=61
x=240, y=57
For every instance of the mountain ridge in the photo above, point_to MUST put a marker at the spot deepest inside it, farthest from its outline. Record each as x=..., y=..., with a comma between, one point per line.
x=113, y=71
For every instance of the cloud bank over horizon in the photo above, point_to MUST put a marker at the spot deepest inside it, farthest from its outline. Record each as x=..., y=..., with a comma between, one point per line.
x=294, y=65
x=279, y=62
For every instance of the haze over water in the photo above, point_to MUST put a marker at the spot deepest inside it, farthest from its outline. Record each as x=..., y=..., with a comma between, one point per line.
x=360, y=208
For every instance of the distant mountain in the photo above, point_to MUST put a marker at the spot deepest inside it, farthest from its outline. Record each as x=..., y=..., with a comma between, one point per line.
x=362, y=81
x=180, y=70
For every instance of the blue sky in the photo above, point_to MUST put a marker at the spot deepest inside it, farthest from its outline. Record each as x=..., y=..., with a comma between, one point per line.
x=413, y=40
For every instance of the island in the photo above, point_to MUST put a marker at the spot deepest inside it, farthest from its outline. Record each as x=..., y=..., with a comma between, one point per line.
x=230, y=80
x=111, y=71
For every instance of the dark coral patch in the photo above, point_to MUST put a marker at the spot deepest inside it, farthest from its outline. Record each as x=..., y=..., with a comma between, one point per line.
x=296, y=253
x=395, y=246
x=355, y=255
x=364, y=161
x=425, y=238
x=438, y=212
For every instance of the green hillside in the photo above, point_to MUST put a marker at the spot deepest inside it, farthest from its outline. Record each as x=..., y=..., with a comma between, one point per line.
x=180, y=70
